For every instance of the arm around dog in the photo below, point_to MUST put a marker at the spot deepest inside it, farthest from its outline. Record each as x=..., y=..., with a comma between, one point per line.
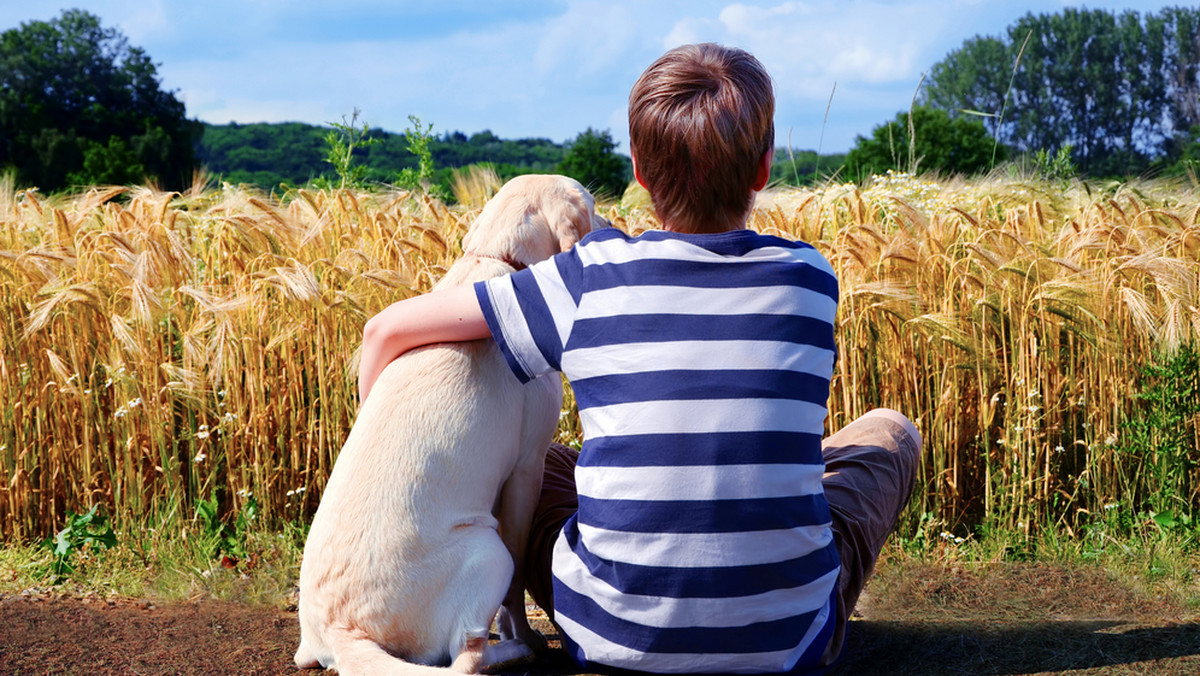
x=444, y=316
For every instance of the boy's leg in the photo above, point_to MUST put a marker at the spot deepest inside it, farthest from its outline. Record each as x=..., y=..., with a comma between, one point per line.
x=870, y=467
x=558, y=502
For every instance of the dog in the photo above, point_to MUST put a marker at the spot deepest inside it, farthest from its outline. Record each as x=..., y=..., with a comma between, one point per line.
x=420, y=535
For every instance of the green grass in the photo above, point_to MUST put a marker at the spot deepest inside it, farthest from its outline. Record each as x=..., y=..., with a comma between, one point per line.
x=177, y=559
x=169, y=560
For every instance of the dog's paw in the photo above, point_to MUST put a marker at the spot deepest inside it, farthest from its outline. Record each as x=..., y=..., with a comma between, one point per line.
x=506, y=654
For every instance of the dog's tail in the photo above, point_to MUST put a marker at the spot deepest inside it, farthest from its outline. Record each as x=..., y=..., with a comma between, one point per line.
x=360, y=655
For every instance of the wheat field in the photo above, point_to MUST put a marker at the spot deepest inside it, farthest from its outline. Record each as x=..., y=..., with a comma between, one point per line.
x=160, y=348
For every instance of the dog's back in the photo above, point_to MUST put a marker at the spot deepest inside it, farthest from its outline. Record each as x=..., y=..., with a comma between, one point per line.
x=403, y=557
x=409, y=537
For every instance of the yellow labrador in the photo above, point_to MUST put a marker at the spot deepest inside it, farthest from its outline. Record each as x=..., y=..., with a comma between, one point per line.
x=421, y=532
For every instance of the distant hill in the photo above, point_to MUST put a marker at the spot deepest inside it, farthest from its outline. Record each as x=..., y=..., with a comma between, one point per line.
x=293, y=153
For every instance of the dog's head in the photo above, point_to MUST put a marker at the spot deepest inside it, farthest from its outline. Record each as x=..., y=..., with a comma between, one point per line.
x=532, y=218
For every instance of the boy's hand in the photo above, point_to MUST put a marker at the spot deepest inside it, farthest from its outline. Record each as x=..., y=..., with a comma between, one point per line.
x=445, y=316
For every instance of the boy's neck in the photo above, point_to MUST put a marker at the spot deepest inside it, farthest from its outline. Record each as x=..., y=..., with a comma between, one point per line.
x=713, y=228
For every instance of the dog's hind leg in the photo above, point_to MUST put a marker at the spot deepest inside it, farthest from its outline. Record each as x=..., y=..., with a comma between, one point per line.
x=518, y=501
x=476, y=592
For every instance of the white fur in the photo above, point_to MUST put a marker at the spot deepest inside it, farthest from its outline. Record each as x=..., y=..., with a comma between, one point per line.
x=421, y=531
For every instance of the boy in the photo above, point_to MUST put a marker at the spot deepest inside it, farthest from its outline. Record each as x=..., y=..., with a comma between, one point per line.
x=704, y=526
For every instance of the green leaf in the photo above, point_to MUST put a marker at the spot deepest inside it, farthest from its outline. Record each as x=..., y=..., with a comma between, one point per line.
x=1165, y=519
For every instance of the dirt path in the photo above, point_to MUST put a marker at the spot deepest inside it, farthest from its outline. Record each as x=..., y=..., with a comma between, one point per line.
x=1016, y=619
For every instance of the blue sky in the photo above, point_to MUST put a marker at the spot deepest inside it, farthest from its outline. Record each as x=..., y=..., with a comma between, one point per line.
x=543, y=68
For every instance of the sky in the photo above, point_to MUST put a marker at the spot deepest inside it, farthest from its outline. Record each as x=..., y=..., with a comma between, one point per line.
x=539, y=68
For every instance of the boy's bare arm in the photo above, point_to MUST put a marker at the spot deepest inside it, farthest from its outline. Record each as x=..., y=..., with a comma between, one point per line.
x=449, y=315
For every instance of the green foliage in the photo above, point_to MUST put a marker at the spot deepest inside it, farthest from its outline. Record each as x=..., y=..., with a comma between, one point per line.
x=418, y=139
x=341, y=142
x=266, y=155
x=1183, y=156
x=221, y=539
x=1163, y=437
x=592, y=160
x=1055, y=167
x=67, y=88
x=271, y=155
x=942, y=143
x=83, y=531
x=1103, y=83
x=803, y=167
x=114, y=163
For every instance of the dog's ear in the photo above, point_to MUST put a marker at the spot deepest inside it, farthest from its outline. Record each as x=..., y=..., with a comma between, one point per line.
x=532, y=218
x=578, y=216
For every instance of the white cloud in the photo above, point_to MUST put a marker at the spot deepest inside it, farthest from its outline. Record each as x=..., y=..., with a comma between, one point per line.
x=809, y=45
x=589, y=37
x=691, y=30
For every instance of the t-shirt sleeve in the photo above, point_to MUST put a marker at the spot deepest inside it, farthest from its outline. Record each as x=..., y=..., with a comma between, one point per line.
x=531, y=312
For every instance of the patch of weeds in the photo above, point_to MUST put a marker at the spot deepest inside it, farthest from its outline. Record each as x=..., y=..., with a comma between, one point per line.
x=418, y=139
x=341, y=143
x=265, y=576
x=1161, y=437
x=919, y=543
x=225, y=541
x=933, y=538
x=1057, y=166
x=82, y=534
x=23, y=565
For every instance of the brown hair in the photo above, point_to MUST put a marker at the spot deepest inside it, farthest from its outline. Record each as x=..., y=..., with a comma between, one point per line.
x=700, y=120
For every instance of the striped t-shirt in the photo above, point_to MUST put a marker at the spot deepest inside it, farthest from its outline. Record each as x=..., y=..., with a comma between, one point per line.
x=701, y=366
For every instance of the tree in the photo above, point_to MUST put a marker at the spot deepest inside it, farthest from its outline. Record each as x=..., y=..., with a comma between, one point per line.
x=1181, y=64
x=945, y=144
x=1117, y=88
x=591, y=160
x=79, y=105
x=972, y=79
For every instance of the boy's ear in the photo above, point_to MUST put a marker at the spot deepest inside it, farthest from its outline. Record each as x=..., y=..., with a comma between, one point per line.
x=764, y=170
x=637, y=175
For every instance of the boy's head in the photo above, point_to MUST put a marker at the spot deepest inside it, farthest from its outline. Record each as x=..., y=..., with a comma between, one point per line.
x=700, y=124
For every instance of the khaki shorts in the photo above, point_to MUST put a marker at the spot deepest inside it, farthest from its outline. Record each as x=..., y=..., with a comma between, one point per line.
x=870, y=466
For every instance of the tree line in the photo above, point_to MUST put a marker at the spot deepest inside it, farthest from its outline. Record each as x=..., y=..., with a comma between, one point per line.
x=1088, y=91
x=1116, y=93
x=294, y=153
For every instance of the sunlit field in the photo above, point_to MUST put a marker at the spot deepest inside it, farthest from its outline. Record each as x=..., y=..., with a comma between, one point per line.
x=164, y=349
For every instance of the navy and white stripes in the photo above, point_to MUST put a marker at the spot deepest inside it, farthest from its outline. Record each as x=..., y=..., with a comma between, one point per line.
x=701, y=366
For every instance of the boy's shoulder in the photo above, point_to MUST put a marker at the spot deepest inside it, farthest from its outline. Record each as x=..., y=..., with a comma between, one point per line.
x=733, y=242
x=661, y=248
